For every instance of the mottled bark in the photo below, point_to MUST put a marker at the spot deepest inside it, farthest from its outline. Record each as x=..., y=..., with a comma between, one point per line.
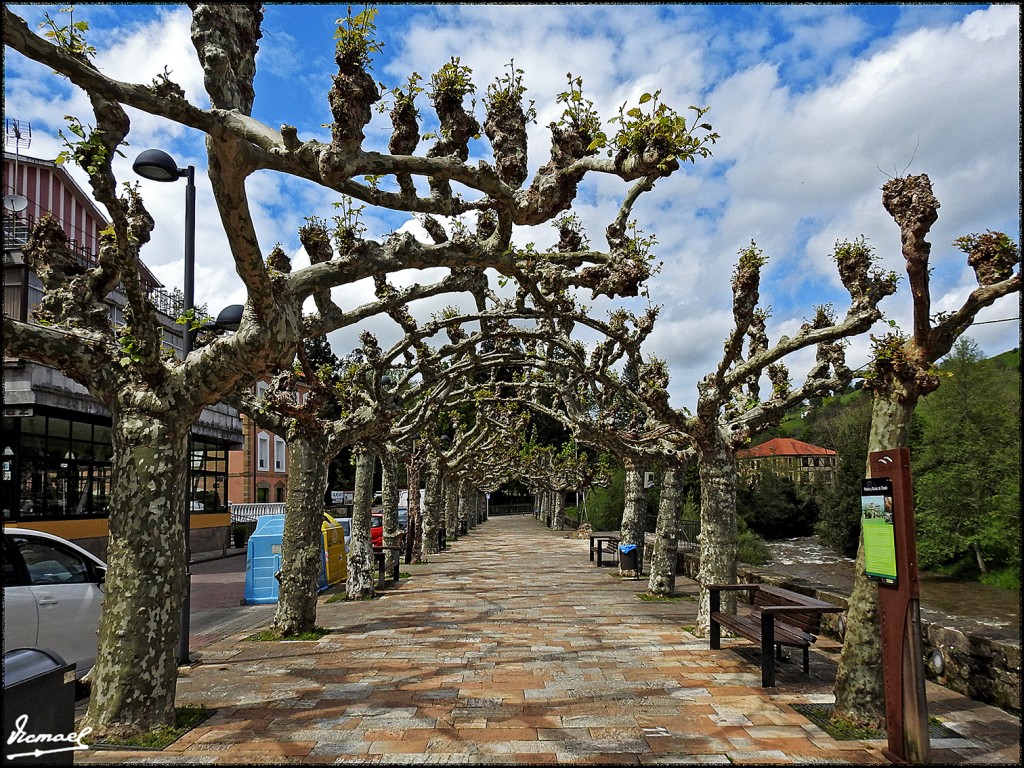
x=859, y=687
x=717, y=469
x=414, y=544
x=450, y=495
x=634, y=516
x=302, y=542
x=389, y=504
x=662, y=580
x=133, y=680
x=431, y=510
x=557, y=510
x=359, y=585
x=463, y=505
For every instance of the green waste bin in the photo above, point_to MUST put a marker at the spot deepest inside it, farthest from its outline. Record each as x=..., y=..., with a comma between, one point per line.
x=39, y=701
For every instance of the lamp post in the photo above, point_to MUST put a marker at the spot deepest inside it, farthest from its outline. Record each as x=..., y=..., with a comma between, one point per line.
x=157, y=165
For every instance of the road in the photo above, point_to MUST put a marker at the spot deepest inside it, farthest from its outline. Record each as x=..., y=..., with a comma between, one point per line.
x=218, y=589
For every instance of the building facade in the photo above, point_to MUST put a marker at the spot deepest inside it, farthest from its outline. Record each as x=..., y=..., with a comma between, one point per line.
x=799, y=461
x=56, y=445
x=258, y=470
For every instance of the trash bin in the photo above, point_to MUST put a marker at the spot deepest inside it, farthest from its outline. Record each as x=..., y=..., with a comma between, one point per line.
x=335, y=562
x=628, y=559
x=264, y=561
x=39, y=698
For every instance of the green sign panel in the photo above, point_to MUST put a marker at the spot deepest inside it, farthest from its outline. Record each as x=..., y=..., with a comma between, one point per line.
x=876, y=517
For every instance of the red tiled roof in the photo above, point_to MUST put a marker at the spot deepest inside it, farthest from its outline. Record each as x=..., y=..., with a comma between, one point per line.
x=784, y=446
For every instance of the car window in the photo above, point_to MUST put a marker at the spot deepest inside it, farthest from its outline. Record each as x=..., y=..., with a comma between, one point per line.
x=13, y=574
x=49, y=563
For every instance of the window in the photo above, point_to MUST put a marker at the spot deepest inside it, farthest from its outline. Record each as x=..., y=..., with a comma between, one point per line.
x=279, y=492
x=279, y=455
x=263, y=452
x=51, y=564
x=261, y=389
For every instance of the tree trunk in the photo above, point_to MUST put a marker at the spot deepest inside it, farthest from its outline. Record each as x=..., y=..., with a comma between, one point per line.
x=859, y=688
x=414, y=545
x=557, y=510
x=450, y=490
x=359, y=584
x=666, y=538
x=432, y=511
x=464, y=493
x=302, y=543
x=634, y=516
x=979, y=558
x=389, y=505
x=717, y=467
x=136, y=671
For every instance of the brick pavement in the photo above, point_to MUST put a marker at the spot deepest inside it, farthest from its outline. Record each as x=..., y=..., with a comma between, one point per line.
x=511, y=647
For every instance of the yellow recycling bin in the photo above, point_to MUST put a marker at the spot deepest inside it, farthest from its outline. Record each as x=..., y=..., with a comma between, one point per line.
x=334, y=550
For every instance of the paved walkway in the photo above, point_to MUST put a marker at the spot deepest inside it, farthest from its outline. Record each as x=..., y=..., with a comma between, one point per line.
x=511, y=647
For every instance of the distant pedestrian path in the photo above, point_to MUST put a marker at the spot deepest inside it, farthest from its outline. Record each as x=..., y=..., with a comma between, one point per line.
x=512, y=647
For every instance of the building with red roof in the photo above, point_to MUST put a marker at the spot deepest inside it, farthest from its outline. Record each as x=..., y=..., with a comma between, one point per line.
x=800, y=461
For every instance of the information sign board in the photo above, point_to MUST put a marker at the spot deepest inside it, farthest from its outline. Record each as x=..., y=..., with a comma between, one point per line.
x=877, y=523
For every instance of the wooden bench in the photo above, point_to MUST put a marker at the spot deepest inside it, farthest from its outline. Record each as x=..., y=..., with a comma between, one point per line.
x=604, y=544
x=777, y=617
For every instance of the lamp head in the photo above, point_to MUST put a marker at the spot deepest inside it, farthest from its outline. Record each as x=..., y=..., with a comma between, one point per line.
x=157, y=165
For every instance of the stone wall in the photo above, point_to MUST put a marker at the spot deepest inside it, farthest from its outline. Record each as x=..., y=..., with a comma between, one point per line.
x=985, y=669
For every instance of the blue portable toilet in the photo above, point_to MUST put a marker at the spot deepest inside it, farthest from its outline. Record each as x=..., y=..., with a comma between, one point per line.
x=264, y=561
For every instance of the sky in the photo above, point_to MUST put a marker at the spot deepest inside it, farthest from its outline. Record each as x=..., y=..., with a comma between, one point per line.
x=816, y=107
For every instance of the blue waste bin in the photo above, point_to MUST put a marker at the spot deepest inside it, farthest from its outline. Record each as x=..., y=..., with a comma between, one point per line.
x=264, y=561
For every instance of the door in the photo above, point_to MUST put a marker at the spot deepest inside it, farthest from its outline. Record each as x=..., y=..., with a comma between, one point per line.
x=68, y=597
x=21, y=617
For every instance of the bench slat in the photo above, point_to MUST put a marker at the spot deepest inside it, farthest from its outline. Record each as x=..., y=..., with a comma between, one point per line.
x=789, y=618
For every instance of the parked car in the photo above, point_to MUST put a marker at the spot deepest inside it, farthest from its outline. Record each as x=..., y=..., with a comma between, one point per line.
x=53, y=595
x=346, y=524
x=377, y=528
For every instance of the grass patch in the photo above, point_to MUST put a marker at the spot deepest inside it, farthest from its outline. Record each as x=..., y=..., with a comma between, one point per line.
x=840, y=729
x=404, y=575
x=823, y=716
x=269, y=635
x=185, y=719
x=648, y=597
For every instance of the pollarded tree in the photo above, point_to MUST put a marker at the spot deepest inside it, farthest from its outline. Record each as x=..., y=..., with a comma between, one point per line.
x=154, y=400
x=902, y=370
x=729, y=405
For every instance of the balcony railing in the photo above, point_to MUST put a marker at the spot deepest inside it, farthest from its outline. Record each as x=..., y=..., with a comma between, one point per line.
x=16, y=235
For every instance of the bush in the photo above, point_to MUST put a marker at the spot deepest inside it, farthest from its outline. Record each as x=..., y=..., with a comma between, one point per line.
x=606, y=505
x=750, y=548
x=775, y=507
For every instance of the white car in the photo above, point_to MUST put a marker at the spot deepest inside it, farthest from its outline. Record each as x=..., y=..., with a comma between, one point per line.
x=53, y=595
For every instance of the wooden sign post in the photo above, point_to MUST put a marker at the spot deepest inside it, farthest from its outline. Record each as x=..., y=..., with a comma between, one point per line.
x=890, y=550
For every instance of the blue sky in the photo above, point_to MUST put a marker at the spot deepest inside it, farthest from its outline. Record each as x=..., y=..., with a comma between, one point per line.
x=816, y=105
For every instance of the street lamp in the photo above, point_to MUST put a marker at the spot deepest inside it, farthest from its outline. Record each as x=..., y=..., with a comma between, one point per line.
x=157, y=165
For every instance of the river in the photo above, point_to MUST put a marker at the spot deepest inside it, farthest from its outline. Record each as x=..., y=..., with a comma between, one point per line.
x=965, y=605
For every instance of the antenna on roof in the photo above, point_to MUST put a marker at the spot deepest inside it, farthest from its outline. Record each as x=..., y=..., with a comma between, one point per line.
x=18, y=133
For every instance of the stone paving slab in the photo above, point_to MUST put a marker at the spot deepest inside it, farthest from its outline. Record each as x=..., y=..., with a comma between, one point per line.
x=511, y=648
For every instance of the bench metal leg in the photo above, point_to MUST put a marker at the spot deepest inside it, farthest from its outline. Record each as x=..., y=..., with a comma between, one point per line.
x=767, y=650
x=714, y=630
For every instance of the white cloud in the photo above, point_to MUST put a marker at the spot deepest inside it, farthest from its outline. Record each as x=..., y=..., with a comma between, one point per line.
x=813, y=107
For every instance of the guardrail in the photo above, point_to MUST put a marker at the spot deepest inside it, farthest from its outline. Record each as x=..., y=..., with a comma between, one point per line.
x=248, y=513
